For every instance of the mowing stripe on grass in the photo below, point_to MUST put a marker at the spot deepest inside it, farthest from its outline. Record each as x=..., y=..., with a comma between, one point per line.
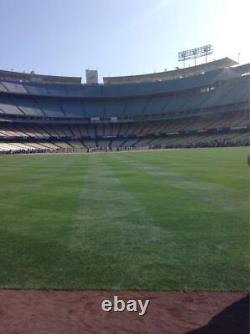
x=113, y=231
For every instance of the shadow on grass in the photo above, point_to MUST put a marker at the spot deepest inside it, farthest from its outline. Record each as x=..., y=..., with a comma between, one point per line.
x=234, y=319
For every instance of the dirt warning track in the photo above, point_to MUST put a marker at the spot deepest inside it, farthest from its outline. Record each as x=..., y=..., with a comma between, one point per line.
x=53, y=312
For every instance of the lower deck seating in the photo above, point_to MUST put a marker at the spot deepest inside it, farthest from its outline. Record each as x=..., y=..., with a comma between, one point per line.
x=230, y=129
x=125, y=129
x=183, y=141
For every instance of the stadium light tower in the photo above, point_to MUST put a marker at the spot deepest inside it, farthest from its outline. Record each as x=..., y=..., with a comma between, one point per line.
x=195, y=53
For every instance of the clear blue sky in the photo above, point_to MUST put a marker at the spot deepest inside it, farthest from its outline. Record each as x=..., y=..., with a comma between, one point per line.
x=117, y=37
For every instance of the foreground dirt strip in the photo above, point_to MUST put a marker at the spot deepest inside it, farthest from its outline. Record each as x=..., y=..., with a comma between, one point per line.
x=52, y=312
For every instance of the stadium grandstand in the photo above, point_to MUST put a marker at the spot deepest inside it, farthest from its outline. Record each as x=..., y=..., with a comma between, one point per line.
x=201, y=106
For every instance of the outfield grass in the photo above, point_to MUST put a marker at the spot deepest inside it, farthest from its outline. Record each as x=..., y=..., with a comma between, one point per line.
x=166, y=220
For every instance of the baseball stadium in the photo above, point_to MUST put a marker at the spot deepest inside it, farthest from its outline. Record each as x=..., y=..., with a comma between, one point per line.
x=201, y=106
x=139, y=183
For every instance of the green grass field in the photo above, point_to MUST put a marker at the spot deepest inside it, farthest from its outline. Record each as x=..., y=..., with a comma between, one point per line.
x=166, y=220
